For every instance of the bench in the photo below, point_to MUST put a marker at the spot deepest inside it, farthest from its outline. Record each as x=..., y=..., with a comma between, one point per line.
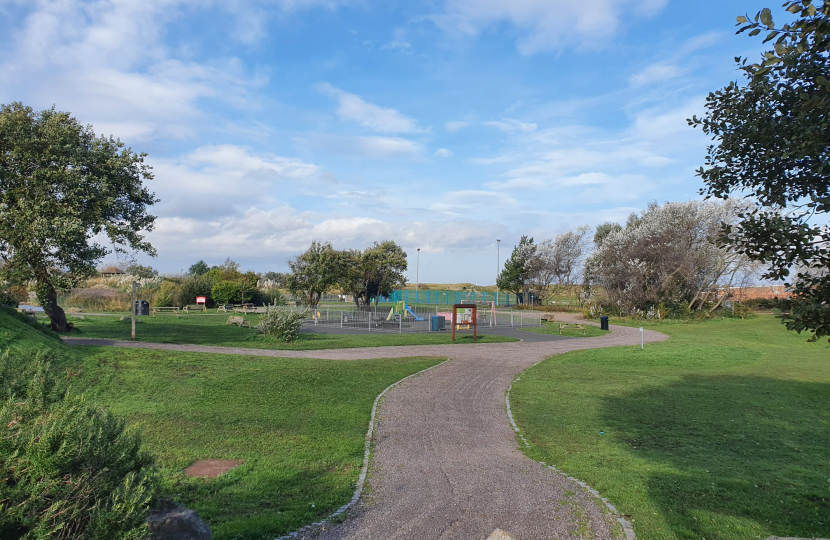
x=239, y=321
x=548, y=317
x=566, y=326
x=165, y=310
x=224, y=307
x=244, y=308
x=194, y=307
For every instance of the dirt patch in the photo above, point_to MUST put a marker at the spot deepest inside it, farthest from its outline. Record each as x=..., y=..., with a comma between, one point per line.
x=211, y=468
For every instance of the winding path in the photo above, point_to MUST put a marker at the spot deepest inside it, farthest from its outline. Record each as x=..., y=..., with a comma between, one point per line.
x=446, y=461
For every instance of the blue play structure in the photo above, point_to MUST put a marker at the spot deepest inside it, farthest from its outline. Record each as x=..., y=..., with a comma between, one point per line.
x=417, y=318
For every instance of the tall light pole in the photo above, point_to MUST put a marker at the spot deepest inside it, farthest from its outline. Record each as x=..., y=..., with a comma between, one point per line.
x=417, y=271
x=498, y=264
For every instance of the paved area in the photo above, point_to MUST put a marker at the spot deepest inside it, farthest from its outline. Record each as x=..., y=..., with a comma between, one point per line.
x=446, y=463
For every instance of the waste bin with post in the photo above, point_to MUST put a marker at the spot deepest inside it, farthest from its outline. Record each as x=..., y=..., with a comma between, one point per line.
x=142, y=308
x=603, y=322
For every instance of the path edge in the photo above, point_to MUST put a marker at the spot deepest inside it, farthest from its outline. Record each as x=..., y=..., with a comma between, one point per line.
x=364, y=470
x=627, y=528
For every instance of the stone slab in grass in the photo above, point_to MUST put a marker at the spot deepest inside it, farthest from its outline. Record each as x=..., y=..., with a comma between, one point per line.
x=211, y=468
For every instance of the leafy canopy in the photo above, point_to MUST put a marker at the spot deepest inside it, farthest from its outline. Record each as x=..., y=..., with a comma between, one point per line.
x=772, y=143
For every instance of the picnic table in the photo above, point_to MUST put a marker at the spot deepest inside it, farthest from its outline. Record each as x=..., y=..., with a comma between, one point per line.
x=244, y=308
x=194, y=307
x=567, y=326
x=159, y=309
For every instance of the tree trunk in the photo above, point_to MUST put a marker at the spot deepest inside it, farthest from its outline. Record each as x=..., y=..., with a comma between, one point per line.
x=48, y=297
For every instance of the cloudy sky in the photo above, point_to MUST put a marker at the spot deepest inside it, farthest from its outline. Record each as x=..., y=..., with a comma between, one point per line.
x=440, y=124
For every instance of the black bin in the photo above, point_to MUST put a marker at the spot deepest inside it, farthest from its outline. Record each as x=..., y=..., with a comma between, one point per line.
x=603, y=322
x=142, y=307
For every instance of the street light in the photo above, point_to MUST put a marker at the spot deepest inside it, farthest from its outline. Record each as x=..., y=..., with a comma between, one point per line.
x=417, y=270
x=498, y=263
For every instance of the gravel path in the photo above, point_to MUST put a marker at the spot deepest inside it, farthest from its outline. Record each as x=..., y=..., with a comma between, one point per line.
x=446, y=462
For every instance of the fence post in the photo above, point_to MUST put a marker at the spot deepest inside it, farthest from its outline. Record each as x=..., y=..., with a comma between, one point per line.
x=341, y=319
x=400, y=324
x=511, y=318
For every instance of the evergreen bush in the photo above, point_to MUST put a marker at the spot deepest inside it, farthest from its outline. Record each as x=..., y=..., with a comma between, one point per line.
x=282, y=323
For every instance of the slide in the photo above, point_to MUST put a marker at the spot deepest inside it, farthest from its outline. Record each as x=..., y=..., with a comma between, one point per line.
x=413, y=314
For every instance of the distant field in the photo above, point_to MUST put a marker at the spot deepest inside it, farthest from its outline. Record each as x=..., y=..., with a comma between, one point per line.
x=198, y=329
x=720, y=433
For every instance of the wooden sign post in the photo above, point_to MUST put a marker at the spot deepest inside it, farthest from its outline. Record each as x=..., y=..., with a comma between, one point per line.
x=470, y=317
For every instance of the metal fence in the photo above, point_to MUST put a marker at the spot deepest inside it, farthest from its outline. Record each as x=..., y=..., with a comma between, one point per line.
x=451, y=297
x=415, y=319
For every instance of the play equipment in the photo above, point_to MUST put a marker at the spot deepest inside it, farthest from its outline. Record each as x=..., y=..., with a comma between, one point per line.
x=417, y=318
x=403, y=309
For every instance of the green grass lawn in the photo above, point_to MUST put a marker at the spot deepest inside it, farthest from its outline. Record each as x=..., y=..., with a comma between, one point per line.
x=723, y=432
x=212, y=330
x=299, y=425
x=553, y=328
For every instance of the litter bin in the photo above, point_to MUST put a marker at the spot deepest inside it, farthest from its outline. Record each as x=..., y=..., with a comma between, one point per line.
x=437, y=323
x=603, y=322
x=142, y=308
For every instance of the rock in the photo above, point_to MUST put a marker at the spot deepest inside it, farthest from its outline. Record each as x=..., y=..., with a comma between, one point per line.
x=79, y=317
x=128, y=319
x=73, y=310
x=499, y=534
x=171, y=521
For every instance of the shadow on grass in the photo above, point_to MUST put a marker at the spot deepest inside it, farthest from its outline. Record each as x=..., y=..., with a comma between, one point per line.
x=732, y=456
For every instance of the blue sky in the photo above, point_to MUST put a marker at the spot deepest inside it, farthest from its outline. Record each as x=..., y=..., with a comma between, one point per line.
x=440, y=124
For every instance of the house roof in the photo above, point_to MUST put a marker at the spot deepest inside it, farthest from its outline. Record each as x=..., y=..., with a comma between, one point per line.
x=112, y=270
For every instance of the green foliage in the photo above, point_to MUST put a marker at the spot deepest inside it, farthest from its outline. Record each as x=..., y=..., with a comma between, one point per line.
x=198, y=269
x=62, y=187
x=514, y=276
x=68, y=469
x=604, y=230
x=226, y=292
x=373, y=272
x=193, y=286
x=167, y=294
x=141, y=271
x=314, y=272
x=13, y=295
x=771, y=144
x=283, y=323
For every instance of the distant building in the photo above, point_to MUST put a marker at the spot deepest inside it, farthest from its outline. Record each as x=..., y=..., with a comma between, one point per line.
x=112, y=271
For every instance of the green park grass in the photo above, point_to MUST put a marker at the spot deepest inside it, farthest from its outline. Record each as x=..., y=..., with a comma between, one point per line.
x=298, y=425
x=553, y=329
x=720, y=433
x=197, y=329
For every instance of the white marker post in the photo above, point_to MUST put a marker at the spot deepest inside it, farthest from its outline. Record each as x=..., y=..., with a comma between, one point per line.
x=135, y=285
x=641, y=338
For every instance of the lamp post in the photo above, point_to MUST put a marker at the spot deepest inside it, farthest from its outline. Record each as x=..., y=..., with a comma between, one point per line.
x=417, y=272
x=498, y=263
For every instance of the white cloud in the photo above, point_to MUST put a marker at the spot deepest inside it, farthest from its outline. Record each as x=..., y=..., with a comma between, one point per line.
x=547, y=24
x=381, y=119
x=661, y=71
x=443, y=153
x=374, y=147
x=455, y=126
x=511, y=126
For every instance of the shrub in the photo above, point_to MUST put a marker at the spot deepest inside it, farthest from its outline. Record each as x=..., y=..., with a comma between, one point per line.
x=166, y=294
x=194, y=286
x=98, y=299
x=282, y=323
x=13, y=295
x=68, y=469
x=226, y=292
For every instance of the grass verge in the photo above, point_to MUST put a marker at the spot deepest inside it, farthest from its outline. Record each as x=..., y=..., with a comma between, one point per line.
x=553, y=329
x=719, y=433
x=212, y=330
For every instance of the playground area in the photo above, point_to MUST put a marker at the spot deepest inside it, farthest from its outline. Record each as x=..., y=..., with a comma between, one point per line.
x=401, y=318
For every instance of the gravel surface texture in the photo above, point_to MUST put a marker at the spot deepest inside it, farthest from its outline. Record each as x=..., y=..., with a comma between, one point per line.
x=446, y=462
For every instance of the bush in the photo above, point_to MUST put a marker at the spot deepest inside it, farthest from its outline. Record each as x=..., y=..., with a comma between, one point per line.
x=166, y=294
x=98, y=299
x=68, y=469
x=226, y=292
x=282, y=323
x=13, y=295
x=194, y=286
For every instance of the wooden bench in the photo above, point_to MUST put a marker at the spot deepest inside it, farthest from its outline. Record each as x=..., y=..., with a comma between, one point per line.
x=165, y=310
x=548, y=317
x=566, y=326
x=244, y=308
x=239, y=321
x=194, y=307
x=224, y=307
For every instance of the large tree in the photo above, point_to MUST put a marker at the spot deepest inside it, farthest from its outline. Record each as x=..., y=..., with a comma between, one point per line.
x=373, y=272
x=515, y=274
x=772, y=142
x=63, y=193
x=314, y=272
